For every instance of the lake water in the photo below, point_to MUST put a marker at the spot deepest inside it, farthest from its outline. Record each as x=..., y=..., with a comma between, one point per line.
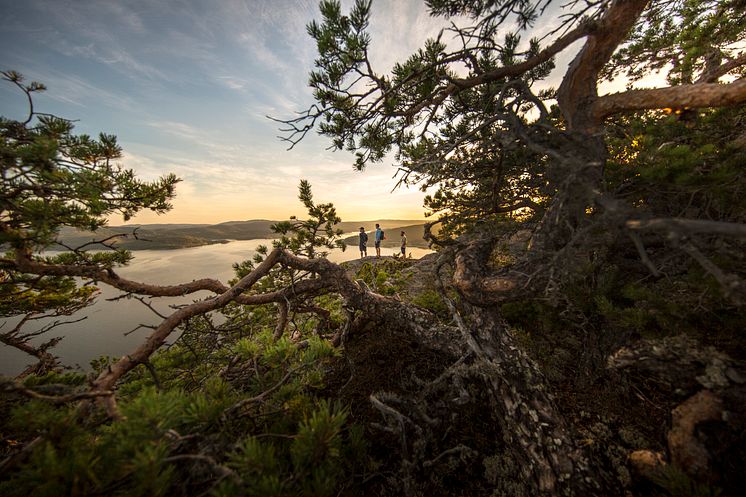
x=103, y=330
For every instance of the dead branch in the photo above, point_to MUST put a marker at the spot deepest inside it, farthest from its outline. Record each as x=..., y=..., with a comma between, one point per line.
x=139, y=327
x=108, y=379
x=17, y=458
x=323, y=315
x=733, y=286
x=715, y=73
x=644, y=254
x=151, y=369
x=282, y=320
x=695, y=96
x=7, y=385
x=105, y=242
x=150, y=306
x=259, y=398
x=222, y=471
x=46, y=360
x=688, y=226
x=24, y=263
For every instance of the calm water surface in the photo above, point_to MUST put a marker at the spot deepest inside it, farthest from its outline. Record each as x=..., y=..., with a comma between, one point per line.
x=103, y=330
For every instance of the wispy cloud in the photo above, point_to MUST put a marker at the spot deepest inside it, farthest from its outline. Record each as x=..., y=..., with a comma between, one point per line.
x=78, y=90
x=186, y=86
x=233, y=83
x=85, y=30
x=398, y=29
x=178, y=129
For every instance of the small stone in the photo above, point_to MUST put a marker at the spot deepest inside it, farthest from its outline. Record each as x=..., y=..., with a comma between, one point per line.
x=714, y=375
x=646, y=462
x=735, y=376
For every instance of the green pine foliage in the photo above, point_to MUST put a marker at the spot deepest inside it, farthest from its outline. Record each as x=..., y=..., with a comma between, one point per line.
x=310, y=238
x=387, y=277
x=684, y=39
x=431, y=300
x=311, y=460
x=684, y=163
x=30, y=294
x=260, y=427
x=53, y=178
x=228, y=408
x=306, y=237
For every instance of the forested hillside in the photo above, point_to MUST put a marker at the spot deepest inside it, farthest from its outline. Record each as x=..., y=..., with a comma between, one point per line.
x=578, y=332
x=173, y=236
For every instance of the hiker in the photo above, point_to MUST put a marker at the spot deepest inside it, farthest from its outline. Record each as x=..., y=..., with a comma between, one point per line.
x=363, y=242
x=403, y=244
x=380, y=236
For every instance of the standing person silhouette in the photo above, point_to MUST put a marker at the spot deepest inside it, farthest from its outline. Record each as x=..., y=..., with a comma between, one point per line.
x=403, y=244
x=363, y=242
x=379, y=238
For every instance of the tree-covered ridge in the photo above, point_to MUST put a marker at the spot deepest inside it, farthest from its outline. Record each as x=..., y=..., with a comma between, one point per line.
x=174, y=236
x=578, y=332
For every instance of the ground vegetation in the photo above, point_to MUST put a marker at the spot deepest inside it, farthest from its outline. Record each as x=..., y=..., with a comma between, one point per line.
x=579, y=331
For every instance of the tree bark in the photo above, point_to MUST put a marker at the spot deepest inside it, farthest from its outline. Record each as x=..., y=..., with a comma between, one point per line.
x=282, y=320
x=675, y=97
x=551, y=461
x=579, y=88
x=577, y=170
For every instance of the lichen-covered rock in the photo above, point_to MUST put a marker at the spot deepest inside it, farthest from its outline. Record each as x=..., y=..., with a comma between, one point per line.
x=678, y=365
x=687, y=451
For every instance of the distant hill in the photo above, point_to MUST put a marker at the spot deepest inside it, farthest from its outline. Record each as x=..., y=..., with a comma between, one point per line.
x=232, y=230
x=172, y=236
x=162, y=226
x=133, y=238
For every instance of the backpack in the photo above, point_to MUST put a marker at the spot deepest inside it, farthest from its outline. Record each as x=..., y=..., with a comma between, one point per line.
x=365, y=238
x=383, y=236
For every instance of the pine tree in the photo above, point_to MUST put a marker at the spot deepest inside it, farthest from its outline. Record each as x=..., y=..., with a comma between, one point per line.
x=52, y=178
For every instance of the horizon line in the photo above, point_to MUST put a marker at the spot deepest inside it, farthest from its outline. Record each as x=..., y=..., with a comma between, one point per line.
x=271, y=220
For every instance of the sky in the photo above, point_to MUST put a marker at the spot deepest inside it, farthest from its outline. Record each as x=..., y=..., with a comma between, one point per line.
x=186, y=86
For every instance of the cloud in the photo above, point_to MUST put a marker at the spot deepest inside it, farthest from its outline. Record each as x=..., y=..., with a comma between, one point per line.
x=178, y=129
x=80, y=91
x=233, y=83
x=84, y=30
x=244, y=181
x=186, y=86
x=398, y=29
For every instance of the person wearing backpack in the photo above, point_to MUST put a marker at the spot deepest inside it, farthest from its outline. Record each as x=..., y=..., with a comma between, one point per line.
x=363, y=242
x=403, y=244
x=380, y=236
